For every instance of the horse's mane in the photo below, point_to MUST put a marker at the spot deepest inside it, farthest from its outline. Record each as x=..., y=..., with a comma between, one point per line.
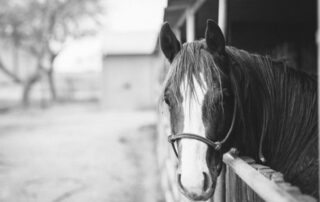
x=286, y=98
x=278, y=108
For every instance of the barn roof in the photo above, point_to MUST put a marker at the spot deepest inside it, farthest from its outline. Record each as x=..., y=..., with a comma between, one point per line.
x=130, y=43
x=132, y=26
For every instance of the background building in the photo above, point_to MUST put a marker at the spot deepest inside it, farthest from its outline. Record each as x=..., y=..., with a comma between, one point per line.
x=130, y=71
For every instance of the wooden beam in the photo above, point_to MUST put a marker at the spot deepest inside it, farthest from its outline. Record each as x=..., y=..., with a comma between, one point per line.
x=223, y=16
x=265, y=188
x=190, y=26
x=193, y=9
x=219, y=193
x=318, y=43
x=177, y=32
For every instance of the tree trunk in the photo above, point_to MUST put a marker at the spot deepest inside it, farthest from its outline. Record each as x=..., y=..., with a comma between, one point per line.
x=15, y=53
x=50, y=74
x=52, y=87
x=27, y=87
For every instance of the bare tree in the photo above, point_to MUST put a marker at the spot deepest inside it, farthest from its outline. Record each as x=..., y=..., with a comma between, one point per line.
x=41, y=27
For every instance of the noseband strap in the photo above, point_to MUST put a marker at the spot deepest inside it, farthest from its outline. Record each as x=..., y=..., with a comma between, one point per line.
x=215, y=145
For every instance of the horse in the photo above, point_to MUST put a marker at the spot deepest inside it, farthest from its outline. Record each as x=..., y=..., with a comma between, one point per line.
x=220, y=97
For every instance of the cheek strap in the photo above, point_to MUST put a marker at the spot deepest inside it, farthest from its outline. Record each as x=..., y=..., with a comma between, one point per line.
x=215, y=145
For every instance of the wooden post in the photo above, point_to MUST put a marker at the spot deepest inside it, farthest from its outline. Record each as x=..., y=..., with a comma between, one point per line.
x=177, y=32
x=228, y=193
x=223, y=16
x=318, y=43
x=219, y=193
x=190, y=27
x=188, y=17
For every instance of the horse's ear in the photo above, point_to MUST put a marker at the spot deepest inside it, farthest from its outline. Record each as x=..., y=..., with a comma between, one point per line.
x=214, y=37
x=169, y=44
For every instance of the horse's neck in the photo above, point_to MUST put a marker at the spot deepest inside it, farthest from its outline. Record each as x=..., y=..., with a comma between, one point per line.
x=281, y=107
x=250, y=117
x=246, y=142
x=254, y=96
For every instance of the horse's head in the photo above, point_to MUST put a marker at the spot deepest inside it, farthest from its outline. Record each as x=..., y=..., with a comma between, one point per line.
x=197, y=92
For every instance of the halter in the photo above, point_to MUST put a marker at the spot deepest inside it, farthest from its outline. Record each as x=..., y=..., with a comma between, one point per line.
x=215, y=145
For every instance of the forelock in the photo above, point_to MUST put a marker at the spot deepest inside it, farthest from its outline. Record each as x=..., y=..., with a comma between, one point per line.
x=192, y=61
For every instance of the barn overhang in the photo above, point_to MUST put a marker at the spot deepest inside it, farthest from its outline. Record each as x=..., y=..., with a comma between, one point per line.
x=186, y=17
x=244, y=11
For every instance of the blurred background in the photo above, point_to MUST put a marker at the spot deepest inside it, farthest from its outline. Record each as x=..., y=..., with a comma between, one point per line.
x=78, y=100
x=80, y=81
x=67, y=51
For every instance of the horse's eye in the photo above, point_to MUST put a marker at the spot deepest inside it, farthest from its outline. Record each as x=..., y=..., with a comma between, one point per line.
x=166, y=100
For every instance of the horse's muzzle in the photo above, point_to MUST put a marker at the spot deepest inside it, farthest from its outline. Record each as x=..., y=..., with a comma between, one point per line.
x=204, y=193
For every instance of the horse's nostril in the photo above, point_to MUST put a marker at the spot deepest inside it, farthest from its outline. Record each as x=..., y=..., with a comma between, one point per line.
x=179, y=181
x=205, y=181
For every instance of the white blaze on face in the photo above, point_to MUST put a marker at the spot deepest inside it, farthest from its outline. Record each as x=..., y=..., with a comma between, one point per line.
x=193, y=152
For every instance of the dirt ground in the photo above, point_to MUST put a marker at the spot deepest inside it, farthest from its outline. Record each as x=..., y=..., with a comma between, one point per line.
x=78, y=153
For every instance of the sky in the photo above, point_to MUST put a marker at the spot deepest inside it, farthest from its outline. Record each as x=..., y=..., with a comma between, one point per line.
x=121, y=18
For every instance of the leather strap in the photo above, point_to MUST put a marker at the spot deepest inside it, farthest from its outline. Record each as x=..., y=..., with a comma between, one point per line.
x=216, y=145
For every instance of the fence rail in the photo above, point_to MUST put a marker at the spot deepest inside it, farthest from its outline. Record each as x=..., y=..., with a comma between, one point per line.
x=248, y=181
x=242, y=179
